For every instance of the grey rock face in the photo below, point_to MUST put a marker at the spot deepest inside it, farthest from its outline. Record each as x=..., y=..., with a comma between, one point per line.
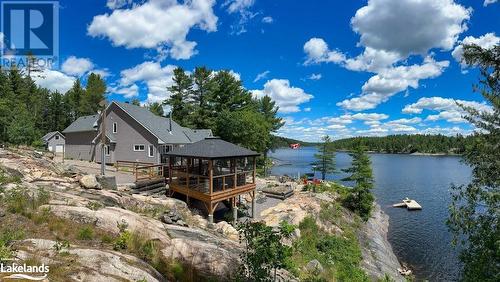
x=315, y=267
x=89, y=181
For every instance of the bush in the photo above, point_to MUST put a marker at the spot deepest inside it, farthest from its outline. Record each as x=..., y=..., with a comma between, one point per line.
x=86, y=233
x=264, y=252
x=122, y=241
x=20, y=201
x=6, y=238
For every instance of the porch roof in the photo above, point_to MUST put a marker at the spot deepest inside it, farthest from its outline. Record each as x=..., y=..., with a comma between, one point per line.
x=212, y=148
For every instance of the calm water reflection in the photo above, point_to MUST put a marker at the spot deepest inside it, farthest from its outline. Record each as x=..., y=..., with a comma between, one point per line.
x=419, y=238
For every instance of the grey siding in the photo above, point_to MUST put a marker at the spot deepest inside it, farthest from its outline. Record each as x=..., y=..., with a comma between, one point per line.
x=52, y=142
x=129, y=132
x=79, y=145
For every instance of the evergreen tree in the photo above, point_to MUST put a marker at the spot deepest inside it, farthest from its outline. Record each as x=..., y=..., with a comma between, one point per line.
x=156, y=108
x=269, y=110
x=475, y=209
x=201, y=96
x=21, y=130
x=178, y=100
x=93, y=95
x=325, y=158
x=73, y=99
x=135, y=102
x=360, y=198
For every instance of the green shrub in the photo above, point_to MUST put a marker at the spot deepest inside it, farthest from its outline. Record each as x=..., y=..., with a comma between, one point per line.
x=20, y=201
x=122, y=241
x=94, y=206
x=86, y=233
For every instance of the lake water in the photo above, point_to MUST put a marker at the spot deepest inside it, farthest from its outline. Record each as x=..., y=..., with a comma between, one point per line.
x=419, y=238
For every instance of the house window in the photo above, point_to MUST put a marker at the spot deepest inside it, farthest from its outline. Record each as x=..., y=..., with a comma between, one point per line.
x=106, y=151
x=115, y=127
x=139, y=148
x=57, y=137
x=151, y=151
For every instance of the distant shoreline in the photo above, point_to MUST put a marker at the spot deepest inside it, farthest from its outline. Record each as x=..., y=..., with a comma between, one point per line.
x=394, y=153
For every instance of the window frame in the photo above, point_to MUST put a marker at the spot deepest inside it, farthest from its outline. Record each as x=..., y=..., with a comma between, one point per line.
x=115, y=127
x=56, y=137
x=107, y=150
x=139, y=145
x=151, y=149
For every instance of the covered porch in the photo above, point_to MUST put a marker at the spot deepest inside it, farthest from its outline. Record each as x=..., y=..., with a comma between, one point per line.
x=212, y=171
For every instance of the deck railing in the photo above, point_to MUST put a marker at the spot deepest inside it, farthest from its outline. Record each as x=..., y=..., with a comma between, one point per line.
x=150, y=172
x=201, y=183
x=129, y=166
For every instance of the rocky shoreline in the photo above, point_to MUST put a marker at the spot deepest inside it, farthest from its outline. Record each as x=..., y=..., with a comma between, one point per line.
x=378, y=256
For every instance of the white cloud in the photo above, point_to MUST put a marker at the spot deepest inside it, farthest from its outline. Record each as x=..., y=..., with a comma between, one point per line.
x=317, y=51
x=447, y=108
x=267, y=20
x=487, y=41
x=127, y=91
x=77, y=66
x=156, y=24
x=315, y=76
x=307, y=109
x=388, y=82
x=234, y=6
x=410, y=27
x=370, y=116
x=156, y=77
x=117, y=4
x=287, y=97
x=54, y=80
x=405, y=121
x=261, y=75
x=487, y=2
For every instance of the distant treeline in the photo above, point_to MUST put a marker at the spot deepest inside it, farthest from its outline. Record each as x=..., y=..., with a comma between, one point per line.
x=398, y=144
x=407, y=144
x=280, y=142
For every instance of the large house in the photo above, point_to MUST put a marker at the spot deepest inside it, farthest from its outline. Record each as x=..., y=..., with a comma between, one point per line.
x=133, y=134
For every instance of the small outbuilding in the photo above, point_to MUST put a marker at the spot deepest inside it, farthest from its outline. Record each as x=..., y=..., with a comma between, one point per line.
x=54, y=141
x=213, y=170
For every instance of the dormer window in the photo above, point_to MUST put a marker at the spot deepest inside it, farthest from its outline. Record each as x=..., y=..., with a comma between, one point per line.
x=57, y=137
x=115, y=127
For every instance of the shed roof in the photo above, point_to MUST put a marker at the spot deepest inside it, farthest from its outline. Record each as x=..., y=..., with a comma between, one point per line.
x=49, y=135
x=212, y=148
x=85, y=123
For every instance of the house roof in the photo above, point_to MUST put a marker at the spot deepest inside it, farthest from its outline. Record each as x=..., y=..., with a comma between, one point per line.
x=85, y=123
x=156, y=125
x=160, y=126
x=212, y=148
x=49, y=135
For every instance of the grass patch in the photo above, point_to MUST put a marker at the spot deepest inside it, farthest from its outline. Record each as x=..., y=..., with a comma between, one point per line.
x=86, y=233
x=19, y=200
x=339, y=255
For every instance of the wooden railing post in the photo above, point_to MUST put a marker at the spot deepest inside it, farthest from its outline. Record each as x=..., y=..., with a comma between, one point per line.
x=210, y=176
x=254, y=169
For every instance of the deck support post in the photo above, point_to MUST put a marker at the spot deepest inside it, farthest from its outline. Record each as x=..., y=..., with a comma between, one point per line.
x=211, y=218
x=253, y=207
x=235, y=215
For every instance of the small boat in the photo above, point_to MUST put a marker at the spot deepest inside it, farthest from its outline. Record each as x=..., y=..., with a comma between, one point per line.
x=409, y=204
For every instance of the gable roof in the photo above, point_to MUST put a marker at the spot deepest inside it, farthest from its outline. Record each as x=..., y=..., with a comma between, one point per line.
x=212, y=148
x=49, y=135
x=160, y=126
x=85, y=123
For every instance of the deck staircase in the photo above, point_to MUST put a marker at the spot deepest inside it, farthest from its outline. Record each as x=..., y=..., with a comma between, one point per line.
x=151, y=187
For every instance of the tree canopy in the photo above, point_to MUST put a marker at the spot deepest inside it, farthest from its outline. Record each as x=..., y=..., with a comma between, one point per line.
x=218, y=101
x=325, y=158
x=27, y=111
x=475, y=209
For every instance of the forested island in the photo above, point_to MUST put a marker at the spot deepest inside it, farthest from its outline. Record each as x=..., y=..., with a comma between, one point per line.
x=393, y=144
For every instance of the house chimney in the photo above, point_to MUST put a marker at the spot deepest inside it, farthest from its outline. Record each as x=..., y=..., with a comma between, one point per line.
x=170, y=120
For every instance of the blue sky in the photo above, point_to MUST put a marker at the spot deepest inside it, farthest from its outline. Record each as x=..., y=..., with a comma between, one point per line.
x=343, y=68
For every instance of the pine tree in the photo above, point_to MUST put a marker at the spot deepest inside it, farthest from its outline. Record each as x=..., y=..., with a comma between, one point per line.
x=325, y=158
x=360, y=198
x=269, y=110
x=156, y=108
x=73, y=99
x=475, y=210
x=178, y=100
x=93, y=95
x=200, y=95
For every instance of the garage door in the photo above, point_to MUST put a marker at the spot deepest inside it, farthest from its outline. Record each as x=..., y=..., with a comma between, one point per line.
x=59, y=148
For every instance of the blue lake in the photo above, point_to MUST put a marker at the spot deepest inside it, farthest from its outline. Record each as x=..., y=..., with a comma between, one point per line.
x=419, y=238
